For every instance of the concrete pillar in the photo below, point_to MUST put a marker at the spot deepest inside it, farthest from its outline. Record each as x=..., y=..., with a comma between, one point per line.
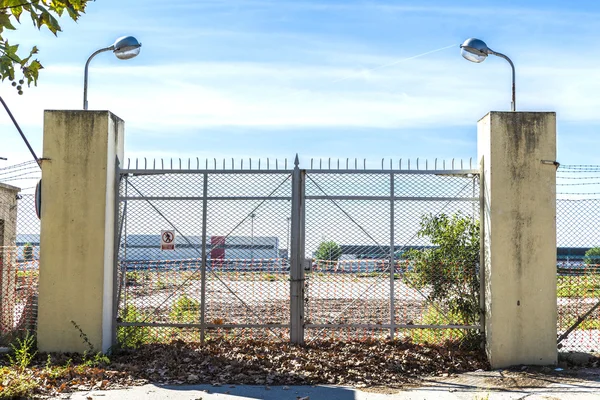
x=8, y=257
x=516, y=151
x=81, y=151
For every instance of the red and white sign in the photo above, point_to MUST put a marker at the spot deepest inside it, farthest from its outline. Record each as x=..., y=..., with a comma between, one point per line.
x=167, y=240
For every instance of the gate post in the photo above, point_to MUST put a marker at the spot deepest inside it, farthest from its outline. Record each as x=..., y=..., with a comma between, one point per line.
x=81, y=153
x=297, y=256
x=517, y=151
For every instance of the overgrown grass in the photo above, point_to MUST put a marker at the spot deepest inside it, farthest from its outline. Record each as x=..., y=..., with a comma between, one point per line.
x=185, y=310
x=589, y=324
x=132, y=336
x=578, y=286
x=432, y=316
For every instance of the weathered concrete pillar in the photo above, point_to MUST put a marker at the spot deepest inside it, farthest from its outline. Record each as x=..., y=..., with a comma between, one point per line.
x=8, y=257
x=81, y=149
x=516, y=150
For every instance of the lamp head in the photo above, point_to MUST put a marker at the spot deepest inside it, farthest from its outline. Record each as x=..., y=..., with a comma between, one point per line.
x=474, y=50
x=126, y=47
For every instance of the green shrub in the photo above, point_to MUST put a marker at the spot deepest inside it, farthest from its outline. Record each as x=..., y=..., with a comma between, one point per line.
x=132, y=336
x=23, y=352
x=328, y=251
x=449, y=269
x=592, y=257
x=185, y=310
x=28, y=252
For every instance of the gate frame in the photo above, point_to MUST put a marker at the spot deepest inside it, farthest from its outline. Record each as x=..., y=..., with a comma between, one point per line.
x=297, y=259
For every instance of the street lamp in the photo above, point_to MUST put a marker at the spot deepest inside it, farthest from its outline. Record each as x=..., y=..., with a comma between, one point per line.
x=476, y=51
x=124, y=48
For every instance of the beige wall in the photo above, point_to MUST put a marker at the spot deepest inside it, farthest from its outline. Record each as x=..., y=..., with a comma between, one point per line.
x=8, y=234
x=77, y=228
x=519, y=233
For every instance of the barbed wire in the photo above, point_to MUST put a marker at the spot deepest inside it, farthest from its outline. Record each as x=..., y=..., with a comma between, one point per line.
x=18, y=165
x=12, y=171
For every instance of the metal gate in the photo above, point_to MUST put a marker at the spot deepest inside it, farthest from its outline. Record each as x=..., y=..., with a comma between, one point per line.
x=248, y=257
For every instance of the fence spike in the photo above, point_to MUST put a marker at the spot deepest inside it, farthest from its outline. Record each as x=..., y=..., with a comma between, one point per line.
x=259, y=163
x=338, y=164
x=364, y=163
x=382, y=160
x=417, y=163
x=267, y=163
x=128, y=162
x=250, y=162
x=470, y=162
x=154, y=163
x=197, y=162
x=232, y=163
x=206, y=163
x=136, y=163
x=461, y=163
x=346, y=163
x=355, y=163
x=285, y=163
x=162, y=163
x=435, y=164
x=311, y=163
x=329, y=163
x=276, y=165
x=296, y=160
x=444, y=162
x=400, y=164
x=242, y=163
x=409, y=164
x=224, y=161
x=320, y=164
x=391, y=165
x=180, y=163
x=189, y=163
x=426, y=164
x=453, y=164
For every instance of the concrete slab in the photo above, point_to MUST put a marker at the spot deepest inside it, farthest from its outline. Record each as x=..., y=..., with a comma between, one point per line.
x=489, y=385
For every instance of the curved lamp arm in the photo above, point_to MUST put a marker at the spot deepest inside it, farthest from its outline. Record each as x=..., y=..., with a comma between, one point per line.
x=85, y=73
x=514, y=101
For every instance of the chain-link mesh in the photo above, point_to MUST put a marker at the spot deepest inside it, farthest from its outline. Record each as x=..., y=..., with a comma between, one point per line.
x=244, y=241
x=578, y=257
x=578, y=274
x=240, y=222
x=357, y=225
x=19, y=264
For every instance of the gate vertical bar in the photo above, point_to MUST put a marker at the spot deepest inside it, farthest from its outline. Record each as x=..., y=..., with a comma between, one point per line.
x=297, y=256
x=392, y=262
x=482, y=250
x=117, y=244
x=203, y=268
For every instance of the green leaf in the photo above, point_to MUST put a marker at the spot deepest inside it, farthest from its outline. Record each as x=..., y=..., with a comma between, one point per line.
x=5, y=22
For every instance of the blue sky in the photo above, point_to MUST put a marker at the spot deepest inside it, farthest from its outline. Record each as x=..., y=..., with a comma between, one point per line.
x=324, y=79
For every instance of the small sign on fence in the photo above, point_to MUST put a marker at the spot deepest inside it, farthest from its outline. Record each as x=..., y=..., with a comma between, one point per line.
x=167, y=240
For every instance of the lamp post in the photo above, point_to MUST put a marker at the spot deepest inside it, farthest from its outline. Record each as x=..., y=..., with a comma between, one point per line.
x=476, y=51
x=124, y=48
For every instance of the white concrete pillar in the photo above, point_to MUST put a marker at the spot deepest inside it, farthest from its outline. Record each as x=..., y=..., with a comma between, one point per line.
x=516, y=151
x=81, y=150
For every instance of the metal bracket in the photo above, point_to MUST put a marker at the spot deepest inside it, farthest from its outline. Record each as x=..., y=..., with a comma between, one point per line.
x=551, y=162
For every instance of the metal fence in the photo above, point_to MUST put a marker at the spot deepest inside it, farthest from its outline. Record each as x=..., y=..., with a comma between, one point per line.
x=248, y=234
x=19, y=266
x=578, y=270
x=249, y=258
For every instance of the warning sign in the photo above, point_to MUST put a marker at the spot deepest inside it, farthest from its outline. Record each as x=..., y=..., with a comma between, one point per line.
x=167, y=240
